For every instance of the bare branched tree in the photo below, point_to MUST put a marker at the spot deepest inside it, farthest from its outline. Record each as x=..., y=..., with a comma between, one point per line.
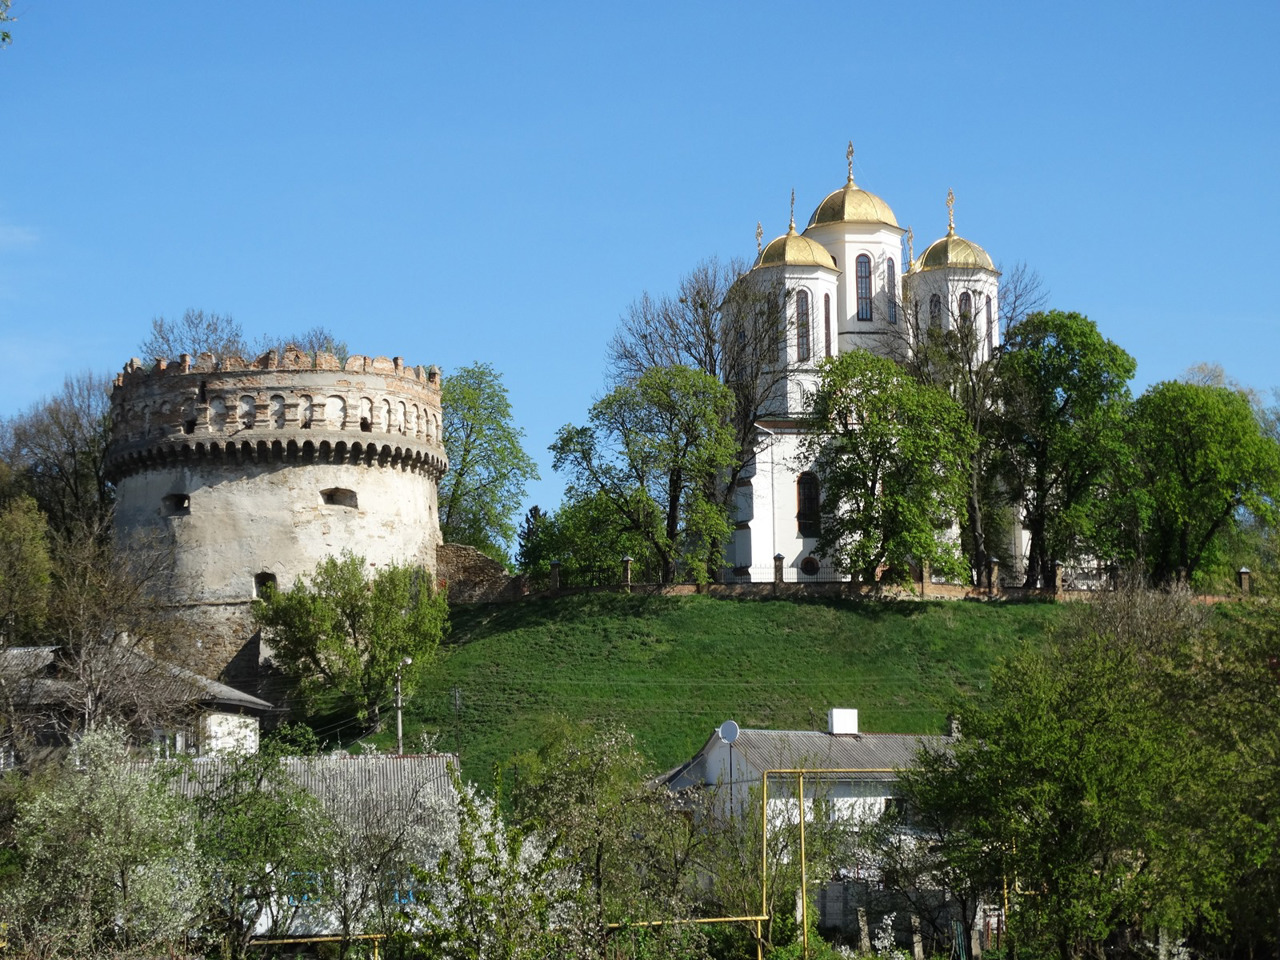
x=723, y=322
x=194, y=333
x=317, y=339
x=57, y=450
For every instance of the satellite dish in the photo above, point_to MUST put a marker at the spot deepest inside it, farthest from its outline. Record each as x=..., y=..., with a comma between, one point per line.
x=728, y=731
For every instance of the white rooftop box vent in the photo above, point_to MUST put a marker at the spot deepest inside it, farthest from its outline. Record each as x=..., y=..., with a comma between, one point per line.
x=842, y=720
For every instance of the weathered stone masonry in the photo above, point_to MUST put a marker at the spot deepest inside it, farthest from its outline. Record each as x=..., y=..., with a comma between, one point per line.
x=254, y=472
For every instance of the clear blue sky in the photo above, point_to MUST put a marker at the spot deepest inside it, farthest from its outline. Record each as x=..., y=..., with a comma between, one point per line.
x=461, y=182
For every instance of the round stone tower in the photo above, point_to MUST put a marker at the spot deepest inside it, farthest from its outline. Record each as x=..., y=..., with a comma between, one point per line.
x=254, y=472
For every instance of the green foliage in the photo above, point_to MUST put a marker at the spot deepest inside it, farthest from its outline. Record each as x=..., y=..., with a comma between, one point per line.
x=488, y=468
x=1064, y=398
x=1122, y=782
x=350, y=633
x=1205, y=465
x=890, y=453
x=25, y=570
x=653, y=449
x=589, y=538
x=264, y=837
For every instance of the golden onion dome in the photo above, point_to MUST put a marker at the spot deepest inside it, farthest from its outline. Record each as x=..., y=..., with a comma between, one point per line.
x=953, y=251
x=793, y=250
x=851, y=204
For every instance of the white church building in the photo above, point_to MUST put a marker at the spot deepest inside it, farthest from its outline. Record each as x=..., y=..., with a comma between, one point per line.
x=851, y=282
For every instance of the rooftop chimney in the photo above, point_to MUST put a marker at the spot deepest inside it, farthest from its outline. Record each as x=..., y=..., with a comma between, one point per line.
x=842, y=720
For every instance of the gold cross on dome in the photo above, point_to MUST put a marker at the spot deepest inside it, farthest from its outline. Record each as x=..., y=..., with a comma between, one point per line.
x=759, y=236
x=793, y=209
x=951, y=211
x=848, y=155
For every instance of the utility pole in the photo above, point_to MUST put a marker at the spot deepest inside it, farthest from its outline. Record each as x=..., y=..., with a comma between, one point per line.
x=400, y=707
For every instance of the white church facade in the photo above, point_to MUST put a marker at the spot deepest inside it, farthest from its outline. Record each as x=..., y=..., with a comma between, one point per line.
x=850, y=282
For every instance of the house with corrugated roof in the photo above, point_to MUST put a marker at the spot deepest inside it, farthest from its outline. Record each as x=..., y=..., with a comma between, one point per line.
x=49, y=694
x=855, y=772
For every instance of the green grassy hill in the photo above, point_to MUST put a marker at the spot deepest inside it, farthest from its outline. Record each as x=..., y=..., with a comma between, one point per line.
x=670, y=669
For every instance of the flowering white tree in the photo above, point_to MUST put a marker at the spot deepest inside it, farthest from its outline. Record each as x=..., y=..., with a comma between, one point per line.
x=108, y=865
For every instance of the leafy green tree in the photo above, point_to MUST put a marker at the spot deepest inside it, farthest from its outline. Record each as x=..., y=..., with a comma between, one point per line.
x=588, y=538
x=106, y=863
x=584, y=791
x=488, y=468
x=1075, y=790
x=265, y=838
x=651, y=449
x=890, y=453
x=350, y=633
x=25, y=571
x=1205, y=463
x=724, y=321
x=1064, y=398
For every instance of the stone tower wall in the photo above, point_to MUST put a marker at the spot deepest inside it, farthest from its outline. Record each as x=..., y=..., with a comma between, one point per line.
x=255, y=472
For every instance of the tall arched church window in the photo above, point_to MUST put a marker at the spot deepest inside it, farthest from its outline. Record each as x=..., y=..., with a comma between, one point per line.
x=862, y=271
x=892, y=279
x=802, y=325
x=966, y=306
x=935, y=310
x=807, y=516
x=826, y=319
x=775, y=330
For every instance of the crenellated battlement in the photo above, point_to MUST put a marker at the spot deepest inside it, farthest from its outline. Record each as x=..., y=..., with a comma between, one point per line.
x=291, y=407
x=272, y=360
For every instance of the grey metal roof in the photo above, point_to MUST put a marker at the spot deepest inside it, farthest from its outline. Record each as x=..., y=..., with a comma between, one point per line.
x=796, y=749
x=877, y=755
x=394, y=784
x=33, y=673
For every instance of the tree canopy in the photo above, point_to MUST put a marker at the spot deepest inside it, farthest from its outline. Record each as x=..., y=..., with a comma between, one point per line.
x=890, y=453
x=349, y=632
x=653, y=449
x=1205, y=462
x=488, y=467
x=1064, y=401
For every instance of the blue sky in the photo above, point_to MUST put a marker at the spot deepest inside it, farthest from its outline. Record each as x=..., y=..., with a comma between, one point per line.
x=497, y=182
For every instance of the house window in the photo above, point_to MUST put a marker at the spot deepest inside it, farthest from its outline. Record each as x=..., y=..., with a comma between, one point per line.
x=935, y=310
x=863, y=273
x=263, y=582
x=339, y=497
x=892, y=276
x=176, y=505
x=966, y=306
x=802, y=325
x=826, y=319
x=807, y=505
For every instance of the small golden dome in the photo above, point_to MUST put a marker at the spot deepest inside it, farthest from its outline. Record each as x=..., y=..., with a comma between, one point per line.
x=851, y=204
x=953, y=251
x=793, y=250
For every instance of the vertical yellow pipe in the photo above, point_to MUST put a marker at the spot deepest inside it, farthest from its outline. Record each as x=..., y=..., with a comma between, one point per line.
x=804, y=885
x=764, y=859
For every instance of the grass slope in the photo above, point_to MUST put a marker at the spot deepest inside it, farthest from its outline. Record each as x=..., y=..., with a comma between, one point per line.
x=671, y=669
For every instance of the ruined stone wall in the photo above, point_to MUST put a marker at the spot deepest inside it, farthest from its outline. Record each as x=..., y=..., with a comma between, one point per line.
x=255, y=472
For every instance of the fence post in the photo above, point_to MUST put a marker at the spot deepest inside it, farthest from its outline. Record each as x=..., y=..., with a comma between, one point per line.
x=1113, y=576
x=777, y=571
x=993, y=576
x=555, y=575
x=1245, y=579
x=626, y=574
x=926, y=575
x=1056, y=571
